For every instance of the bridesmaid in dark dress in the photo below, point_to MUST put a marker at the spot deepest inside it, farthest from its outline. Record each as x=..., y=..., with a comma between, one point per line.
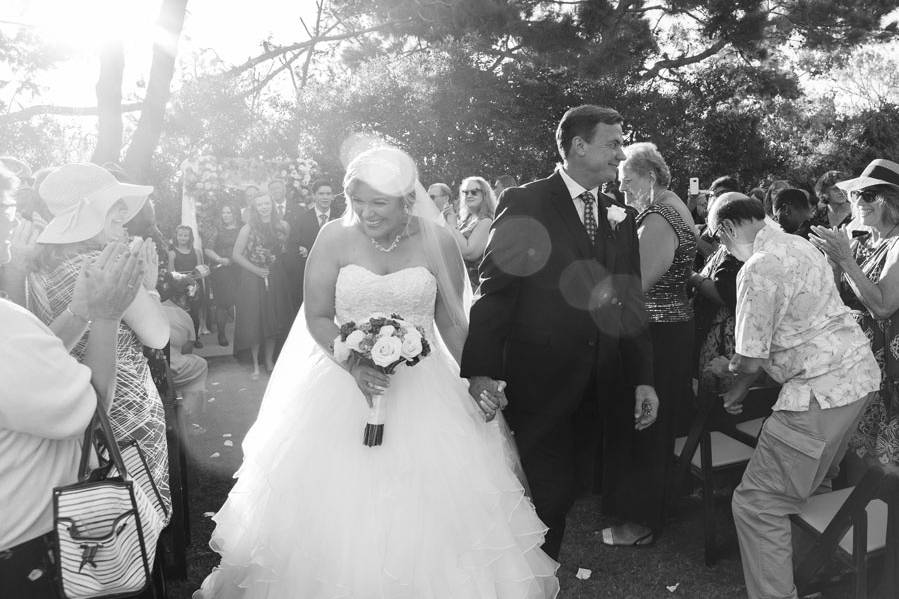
x=225, y=273
x=636, y=463
x=262, y=295
x=184, y=258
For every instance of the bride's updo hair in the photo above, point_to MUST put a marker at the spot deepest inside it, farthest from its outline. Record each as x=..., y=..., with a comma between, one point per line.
x=388, y=170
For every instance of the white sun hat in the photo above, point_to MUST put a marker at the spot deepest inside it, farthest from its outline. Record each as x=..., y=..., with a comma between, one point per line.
x=80, y=195
x=878, y=172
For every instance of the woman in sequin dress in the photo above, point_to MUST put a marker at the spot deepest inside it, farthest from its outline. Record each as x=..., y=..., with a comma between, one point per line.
x=635, y=463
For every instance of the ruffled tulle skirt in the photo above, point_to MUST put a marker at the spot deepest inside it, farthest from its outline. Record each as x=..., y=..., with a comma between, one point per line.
x=435, y=512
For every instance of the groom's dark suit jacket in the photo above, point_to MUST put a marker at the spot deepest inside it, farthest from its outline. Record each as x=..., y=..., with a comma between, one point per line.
x=556, y=314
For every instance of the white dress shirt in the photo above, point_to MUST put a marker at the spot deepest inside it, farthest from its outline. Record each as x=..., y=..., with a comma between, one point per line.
x=575, y=189
x=319, y=215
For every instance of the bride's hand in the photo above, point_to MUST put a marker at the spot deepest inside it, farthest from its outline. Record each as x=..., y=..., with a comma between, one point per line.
x=370, y=381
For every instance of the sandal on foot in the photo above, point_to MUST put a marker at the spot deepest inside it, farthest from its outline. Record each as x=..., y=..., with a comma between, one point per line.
x=644, y=541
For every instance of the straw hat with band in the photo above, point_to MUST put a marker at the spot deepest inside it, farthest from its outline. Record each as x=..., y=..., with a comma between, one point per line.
x=878, y=172
x=80, y=195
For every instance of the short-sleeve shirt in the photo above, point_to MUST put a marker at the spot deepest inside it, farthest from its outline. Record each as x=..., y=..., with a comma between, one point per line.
x=790, y=314
x=46, y=402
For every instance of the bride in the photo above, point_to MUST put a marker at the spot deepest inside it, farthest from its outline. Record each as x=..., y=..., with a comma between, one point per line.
x=437, y=510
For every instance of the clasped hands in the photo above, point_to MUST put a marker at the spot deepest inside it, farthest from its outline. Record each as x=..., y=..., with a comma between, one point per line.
x=488, y=394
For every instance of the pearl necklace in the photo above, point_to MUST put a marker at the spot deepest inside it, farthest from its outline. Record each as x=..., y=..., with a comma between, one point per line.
x=395, y=243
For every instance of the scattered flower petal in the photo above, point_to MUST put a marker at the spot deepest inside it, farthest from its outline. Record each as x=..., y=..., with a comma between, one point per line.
x=229, y=443
x=215, y=455
x=673, y=587
x=583, y=573
x=226, y=435
x=209, y=514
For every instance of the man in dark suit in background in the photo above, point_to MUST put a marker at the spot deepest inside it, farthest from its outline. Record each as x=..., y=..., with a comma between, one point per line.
x=560, y=315
x=292, y=262
x=311, y=221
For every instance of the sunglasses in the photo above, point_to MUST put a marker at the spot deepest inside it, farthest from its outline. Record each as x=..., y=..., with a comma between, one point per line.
x=867, y=196
x=471, y=192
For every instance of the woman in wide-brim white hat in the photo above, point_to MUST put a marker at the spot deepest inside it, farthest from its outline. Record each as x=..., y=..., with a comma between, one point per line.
x=90, y=209
x=869, y=276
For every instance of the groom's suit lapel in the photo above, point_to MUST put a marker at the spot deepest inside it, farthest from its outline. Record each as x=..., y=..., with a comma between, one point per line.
x=564, y=206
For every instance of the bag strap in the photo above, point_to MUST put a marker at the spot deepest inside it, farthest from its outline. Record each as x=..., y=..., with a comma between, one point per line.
x=106, y=429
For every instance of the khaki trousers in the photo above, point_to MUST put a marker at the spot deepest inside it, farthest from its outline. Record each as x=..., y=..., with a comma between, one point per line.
x=794, y=452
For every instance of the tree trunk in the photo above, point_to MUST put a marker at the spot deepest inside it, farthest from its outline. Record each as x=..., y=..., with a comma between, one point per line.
x=149, y=127
x=109, y=103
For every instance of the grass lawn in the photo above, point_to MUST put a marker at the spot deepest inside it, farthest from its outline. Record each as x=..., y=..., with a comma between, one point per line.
x=672, y=568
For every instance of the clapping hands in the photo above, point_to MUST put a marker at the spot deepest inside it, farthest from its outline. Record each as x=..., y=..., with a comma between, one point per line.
x=834, y=243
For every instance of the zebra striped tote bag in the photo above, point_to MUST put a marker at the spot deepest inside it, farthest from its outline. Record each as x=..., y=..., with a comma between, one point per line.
x=107, y=526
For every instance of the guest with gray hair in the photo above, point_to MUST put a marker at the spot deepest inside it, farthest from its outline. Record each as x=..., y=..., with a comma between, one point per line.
x=791, y=323
x=634, y=474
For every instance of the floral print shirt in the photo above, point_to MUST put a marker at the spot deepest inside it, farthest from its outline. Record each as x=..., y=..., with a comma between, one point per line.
x=790, y=314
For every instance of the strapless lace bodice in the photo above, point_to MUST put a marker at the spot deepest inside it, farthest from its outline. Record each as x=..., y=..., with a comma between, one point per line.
x=410, y=292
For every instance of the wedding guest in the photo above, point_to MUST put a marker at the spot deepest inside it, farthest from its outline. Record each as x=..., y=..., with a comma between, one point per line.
x=714, y=308
x=226, y=273
x=441, y=195
x=504, y=182
x=46, y=403
x=188, y=369
x=185, y=258
x=757, y=193
x=792, y=211
x=262, y=296
x=790, y=323
x=874, y=299
x=90, y=209
x=635, y=463
x=310, y=222
x=472, y=226
x=835, y=210
x=771, y=191
x=249, y=193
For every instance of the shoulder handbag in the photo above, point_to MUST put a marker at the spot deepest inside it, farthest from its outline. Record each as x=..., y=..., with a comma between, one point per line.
x=107, y=524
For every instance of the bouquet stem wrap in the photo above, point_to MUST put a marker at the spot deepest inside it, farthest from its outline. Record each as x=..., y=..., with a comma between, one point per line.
x=374, y=424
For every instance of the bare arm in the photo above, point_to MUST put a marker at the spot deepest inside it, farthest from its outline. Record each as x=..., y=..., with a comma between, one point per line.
x=473, y=247
x=171, y=260
x=320, y=283
x=240, y=247
x=657, y=246
x=881, y=298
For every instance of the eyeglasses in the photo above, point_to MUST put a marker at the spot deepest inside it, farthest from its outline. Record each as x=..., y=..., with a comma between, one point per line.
x=471, y=192
x=867, y=196
x=716, y=234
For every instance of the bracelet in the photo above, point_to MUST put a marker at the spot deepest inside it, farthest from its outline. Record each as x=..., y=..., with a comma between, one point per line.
x=87, y=321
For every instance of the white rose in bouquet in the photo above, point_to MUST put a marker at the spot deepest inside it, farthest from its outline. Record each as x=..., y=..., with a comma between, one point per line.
x=386, y=351
x=354, y=339
x=387, y=330
x=411, y=345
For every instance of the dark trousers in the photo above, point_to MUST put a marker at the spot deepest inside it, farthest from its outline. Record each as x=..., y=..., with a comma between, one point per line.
x=28, y=570
x=636, y=464
x=559, y=461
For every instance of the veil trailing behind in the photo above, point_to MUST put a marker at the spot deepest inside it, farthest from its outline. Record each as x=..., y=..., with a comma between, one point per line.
x=438, y=511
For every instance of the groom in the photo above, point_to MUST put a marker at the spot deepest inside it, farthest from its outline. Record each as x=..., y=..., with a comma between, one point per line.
x=560, y=314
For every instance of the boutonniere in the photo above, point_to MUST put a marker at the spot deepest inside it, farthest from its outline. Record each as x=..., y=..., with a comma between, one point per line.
x=616, y=215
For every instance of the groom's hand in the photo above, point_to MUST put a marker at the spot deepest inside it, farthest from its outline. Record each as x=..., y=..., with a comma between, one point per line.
x=646, y=406
x=488, y=394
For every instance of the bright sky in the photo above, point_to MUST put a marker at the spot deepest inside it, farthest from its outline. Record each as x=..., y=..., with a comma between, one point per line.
x=234, y=29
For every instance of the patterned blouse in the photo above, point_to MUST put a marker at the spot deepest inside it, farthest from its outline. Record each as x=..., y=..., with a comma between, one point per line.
x=790, y=314
x=667, y=300
x=137, y=412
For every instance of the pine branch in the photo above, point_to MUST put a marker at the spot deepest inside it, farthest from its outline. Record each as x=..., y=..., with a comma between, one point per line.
x=52, y=109
x=684, y=60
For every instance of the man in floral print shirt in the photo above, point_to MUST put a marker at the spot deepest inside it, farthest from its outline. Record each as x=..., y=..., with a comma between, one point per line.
x=790, y=323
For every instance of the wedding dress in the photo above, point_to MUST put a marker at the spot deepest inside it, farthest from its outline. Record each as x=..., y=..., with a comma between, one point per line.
x=435, y=512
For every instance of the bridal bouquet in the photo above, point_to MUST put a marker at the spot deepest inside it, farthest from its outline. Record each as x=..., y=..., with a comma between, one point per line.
x=383, y=342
